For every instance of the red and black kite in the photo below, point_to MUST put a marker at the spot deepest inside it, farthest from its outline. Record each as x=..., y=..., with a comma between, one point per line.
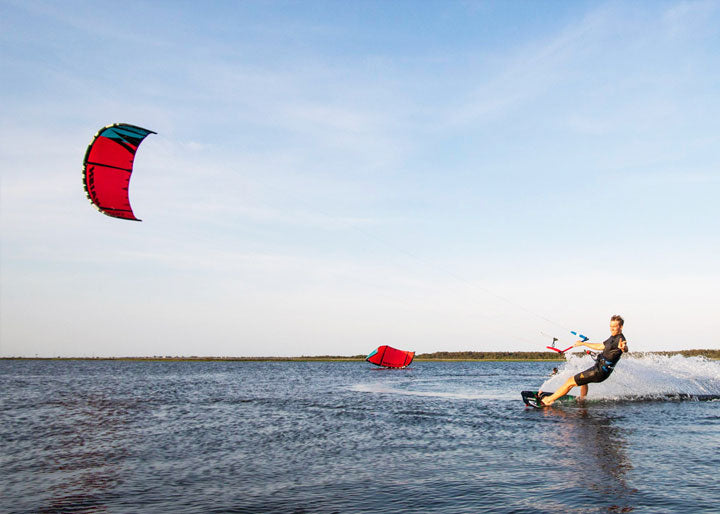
x=390, y=357
x=108, y=165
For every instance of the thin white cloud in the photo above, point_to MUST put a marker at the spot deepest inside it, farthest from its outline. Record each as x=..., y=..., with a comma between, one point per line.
x=529, y=71
x=687, y=17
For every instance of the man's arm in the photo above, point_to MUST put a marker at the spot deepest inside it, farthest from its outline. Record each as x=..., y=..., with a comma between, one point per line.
x=592, y=346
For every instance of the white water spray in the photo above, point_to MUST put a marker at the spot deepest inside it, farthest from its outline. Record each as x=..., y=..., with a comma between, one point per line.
x=645, y=376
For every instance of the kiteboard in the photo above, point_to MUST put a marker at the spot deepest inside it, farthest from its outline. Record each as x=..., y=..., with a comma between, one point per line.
x=532, y=399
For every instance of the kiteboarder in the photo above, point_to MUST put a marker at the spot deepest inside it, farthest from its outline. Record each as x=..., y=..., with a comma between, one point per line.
x=612, y=349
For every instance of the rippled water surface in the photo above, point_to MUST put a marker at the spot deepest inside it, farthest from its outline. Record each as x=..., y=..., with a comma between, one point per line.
x=106, y=436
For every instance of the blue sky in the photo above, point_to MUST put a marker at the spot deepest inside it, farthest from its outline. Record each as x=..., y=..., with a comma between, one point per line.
x=332, y=176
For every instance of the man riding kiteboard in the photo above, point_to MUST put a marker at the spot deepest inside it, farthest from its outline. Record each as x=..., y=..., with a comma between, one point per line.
x=612, y=349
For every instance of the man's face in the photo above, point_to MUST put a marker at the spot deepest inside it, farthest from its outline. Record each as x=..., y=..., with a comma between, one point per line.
x=615, y=328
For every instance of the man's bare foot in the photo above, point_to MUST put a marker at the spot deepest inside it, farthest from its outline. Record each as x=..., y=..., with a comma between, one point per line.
x=545, y=402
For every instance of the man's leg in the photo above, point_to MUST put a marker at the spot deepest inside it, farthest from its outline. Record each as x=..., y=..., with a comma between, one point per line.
x=569, y=384
x=583, y=390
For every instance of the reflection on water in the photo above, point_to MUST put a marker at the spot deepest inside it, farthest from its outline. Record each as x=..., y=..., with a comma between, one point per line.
x=83, y=446
x=595, y=446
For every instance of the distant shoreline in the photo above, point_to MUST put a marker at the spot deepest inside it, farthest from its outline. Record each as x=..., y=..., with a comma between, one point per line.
x=425, y=357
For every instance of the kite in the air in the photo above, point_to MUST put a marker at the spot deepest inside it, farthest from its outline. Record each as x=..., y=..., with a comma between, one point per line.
x=108, y=165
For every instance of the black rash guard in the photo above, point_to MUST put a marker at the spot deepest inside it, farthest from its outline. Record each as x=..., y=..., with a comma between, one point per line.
x=605, y=362
x=612, y=353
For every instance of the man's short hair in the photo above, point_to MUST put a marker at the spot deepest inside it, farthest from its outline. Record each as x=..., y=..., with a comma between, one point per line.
x=618, y=318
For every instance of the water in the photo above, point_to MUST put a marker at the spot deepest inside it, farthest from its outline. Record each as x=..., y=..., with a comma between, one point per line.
x=97, y=436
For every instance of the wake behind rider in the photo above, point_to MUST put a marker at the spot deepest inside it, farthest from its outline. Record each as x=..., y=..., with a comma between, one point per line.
x=612, y=349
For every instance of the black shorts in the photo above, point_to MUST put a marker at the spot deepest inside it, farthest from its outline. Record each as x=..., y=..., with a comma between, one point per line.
x=594, y=374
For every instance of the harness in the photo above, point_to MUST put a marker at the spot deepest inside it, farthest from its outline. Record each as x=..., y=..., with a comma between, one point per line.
x=604, y=364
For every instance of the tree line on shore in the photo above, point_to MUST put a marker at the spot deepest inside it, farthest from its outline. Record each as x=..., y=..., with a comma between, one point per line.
x=710, y=354
x=437, y=356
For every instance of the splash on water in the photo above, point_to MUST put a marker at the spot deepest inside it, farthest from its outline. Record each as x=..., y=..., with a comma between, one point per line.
x=646, y=376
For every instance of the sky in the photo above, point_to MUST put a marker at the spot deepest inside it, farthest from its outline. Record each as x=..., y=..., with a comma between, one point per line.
x=331, y=176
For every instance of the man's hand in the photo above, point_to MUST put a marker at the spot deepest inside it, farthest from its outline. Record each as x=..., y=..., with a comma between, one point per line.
x=623, y=346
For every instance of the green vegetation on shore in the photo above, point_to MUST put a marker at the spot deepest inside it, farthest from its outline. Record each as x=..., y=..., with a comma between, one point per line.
x=543, y=356
x=436, y=356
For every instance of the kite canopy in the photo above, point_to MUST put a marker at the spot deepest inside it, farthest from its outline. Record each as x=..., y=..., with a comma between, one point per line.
x=108, y=165
x=390, y=357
